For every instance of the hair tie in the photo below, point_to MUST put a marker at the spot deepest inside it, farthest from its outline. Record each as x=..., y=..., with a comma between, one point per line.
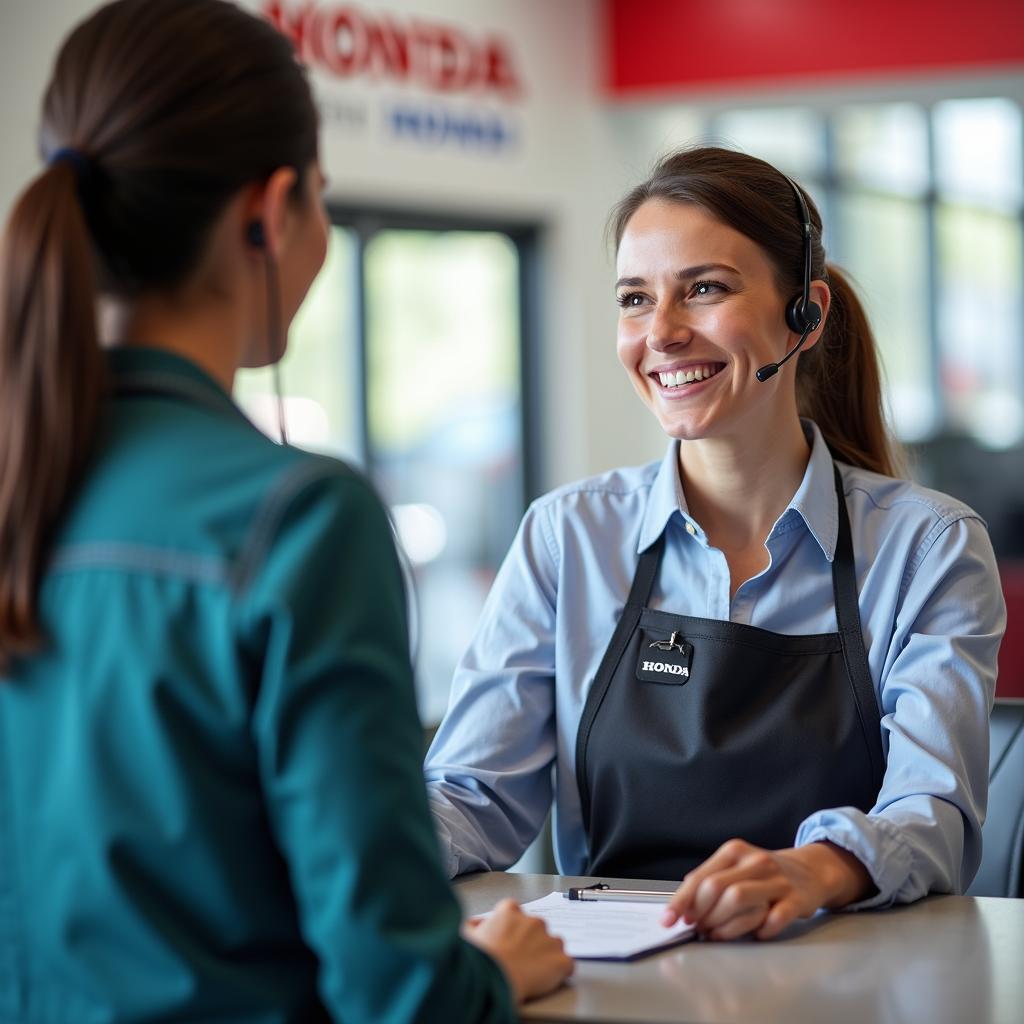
x=78, y=160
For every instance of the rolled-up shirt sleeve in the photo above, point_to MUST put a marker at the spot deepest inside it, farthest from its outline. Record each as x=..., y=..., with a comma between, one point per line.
x=489, y=768
x=936, y=693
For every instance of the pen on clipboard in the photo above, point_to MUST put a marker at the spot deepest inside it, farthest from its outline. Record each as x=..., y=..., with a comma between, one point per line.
x=600, y=891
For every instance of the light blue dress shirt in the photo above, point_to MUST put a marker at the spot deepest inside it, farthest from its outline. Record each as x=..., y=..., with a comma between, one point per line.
x=932, y=615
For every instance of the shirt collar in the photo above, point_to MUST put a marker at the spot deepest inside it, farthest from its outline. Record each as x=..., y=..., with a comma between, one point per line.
x=130, y=364
x=814, y=500
x=666, y=498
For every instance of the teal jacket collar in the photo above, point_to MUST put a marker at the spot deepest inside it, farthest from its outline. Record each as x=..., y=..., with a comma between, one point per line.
x=138, y=370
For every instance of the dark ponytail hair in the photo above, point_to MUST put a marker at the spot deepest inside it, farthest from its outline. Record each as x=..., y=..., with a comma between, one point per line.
x=838, y=381
x=156, y=114
x=839, y=385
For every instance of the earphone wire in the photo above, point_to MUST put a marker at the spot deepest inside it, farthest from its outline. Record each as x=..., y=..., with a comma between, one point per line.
x=274, y=338
x=274, y=335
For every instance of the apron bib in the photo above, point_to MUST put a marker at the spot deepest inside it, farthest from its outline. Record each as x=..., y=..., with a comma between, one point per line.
x=697, y=731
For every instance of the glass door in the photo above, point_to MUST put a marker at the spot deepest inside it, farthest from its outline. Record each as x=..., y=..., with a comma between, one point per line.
x=407, y=358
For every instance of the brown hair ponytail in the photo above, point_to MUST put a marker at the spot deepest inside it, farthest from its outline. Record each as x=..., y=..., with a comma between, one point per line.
x=838, y=383
x=158, y=112
x=50, y=374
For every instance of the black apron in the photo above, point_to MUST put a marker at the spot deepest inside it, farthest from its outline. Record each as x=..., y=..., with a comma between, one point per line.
x=697, y=731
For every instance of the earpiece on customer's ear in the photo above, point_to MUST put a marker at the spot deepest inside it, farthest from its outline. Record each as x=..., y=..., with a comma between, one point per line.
x=255, y=235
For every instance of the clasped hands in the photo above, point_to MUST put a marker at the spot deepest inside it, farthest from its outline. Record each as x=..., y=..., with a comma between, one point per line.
x=742, y=889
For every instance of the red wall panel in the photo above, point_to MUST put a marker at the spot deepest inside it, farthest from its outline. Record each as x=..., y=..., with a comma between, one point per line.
x=671, y=45
x=1011, y=654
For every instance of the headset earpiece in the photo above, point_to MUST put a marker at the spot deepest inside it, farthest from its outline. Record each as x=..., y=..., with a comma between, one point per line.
x=254, y=234
x=799, y=317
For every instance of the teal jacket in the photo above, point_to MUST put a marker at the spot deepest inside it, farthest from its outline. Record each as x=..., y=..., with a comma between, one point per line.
x=211, y=795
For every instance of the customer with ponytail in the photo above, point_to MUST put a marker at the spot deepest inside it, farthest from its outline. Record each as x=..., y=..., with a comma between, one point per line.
x=762, y=667
x=211, y=805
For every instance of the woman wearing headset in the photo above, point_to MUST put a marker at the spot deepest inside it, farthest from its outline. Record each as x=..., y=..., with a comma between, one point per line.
x=763, y=666
x=211, y=804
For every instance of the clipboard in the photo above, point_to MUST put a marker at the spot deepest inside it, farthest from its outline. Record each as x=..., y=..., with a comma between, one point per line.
x=606, y=929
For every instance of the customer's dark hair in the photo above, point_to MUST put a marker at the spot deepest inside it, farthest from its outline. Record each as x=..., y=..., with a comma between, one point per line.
x=168, y=107
x=838, y=382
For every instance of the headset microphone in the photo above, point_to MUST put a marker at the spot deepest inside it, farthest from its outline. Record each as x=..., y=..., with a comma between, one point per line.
x=770, y=369
x=802, y=315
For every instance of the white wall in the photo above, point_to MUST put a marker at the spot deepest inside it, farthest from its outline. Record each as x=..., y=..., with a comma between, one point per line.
x=562, y=174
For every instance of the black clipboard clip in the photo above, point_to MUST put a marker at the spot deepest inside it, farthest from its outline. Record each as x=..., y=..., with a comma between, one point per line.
x=575, y=891
x=672, y=644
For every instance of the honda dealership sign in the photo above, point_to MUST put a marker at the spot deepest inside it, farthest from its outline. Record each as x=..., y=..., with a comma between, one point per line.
x=404, y=78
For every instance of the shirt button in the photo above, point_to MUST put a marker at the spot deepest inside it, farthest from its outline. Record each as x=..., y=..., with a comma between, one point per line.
x=690, y=530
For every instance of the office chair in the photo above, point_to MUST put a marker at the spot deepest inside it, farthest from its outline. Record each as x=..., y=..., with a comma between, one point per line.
x=1002, y=860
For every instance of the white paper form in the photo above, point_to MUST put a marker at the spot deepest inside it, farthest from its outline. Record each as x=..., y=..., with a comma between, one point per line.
x=607, y=930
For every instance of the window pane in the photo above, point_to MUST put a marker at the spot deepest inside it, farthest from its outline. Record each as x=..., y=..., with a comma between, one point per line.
x=445, y=430
x=319, y=375
x=978, y=151
x=885, y=250
x=884, y=146
x=981, y=322
x=792, y=138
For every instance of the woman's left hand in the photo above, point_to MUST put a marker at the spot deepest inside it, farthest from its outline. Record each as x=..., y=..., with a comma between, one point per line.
x=742, y=889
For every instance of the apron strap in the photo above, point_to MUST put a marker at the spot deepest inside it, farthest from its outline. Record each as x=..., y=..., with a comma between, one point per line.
x=844, y=589
x=639, y=593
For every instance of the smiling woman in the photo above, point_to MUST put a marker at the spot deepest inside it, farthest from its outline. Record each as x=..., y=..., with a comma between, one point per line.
x=755, y=224
x=832, y=630
x=722, y=315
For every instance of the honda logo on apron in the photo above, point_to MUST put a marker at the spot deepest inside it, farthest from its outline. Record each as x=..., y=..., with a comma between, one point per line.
x=664, y=660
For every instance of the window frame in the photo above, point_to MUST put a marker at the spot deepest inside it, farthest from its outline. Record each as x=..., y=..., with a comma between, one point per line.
x=366, y=222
